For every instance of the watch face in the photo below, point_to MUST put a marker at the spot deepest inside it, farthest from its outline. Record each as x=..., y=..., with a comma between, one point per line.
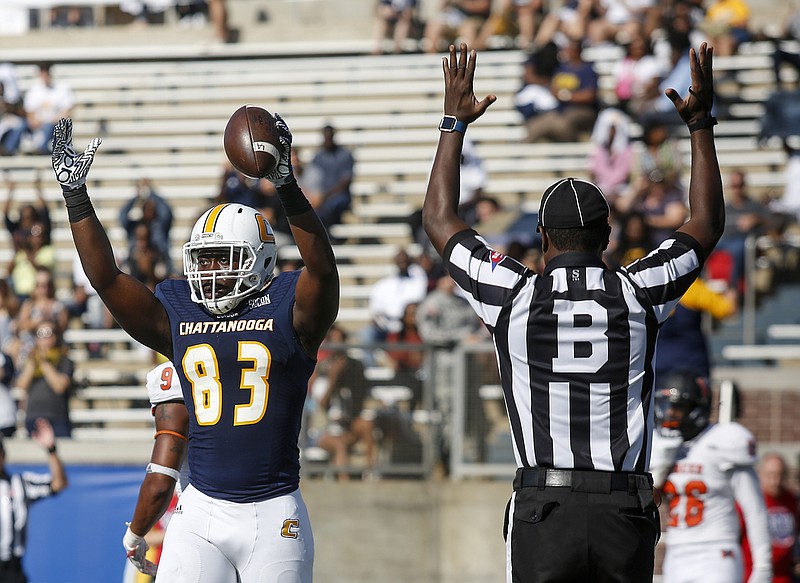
x=448, y=123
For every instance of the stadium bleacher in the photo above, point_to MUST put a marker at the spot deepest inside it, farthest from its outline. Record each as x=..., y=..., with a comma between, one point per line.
x=163, y=119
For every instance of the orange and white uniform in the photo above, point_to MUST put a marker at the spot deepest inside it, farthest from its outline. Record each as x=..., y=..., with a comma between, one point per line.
x=709, y=475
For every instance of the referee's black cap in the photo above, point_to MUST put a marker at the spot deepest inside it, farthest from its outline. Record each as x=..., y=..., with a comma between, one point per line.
x=572, y=203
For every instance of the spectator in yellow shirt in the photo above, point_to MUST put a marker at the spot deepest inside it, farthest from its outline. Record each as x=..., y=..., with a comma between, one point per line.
x=726, y=23
x=682, y=341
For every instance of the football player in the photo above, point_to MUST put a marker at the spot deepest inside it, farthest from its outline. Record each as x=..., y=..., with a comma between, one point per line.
x=244, y=344
x=703, y=471
x=167, y=471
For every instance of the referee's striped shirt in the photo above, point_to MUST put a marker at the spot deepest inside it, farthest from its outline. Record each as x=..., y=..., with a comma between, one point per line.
x=17, y=493
x=575, y=346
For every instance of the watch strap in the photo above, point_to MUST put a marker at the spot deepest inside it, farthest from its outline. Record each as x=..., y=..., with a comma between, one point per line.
x=450, y=123
x=703, y=123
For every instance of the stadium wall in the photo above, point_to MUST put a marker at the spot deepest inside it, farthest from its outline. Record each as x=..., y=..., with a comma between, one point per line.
x=389, y=531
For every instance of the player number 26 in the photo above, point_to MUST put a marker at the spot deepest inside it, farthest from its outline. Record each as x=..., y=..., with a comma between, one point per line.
x=202, y=369
x=693, y=507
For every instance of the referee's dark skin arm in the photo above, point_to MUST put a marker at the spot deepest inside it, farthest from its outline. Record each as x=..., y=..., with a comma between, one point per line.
x=705, y=187
x=439, y=215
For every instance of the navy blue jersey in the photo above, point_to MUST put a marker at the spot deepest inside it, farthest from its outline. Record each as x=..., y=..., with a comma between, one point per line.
x=244, y=377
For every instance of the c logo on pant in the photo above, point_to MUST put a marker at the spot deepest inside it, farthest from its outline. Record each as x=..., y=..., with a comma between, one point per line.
x=291, y=526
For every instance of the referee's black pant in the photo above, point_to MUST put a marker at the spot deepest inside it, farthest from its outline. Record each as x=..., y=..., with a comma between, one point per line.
x=572, y=526
x=11, y=571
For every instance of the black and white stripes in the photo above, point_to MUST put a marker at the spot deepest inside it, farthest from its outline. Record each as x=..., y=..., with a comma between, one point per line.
x=575, y=346
x=17, y=492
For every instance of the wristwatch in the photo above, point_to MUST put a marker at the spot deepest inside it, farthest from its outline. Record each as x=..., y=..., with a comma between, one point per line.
x=450, y=123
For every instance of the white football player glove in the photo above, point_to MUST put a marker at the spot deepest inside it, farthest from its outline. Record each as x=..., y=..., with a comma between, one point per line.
x=136, y=549
x=70, y=167
x=282, y=174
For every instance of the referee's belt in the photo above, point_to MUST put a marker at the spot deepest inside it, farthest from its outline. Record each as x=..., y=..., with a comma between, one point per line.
x=594, y=481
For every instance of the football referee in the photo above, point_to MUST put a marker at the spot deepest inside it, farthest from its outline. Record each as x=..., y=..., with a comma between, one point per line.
x=575, y=346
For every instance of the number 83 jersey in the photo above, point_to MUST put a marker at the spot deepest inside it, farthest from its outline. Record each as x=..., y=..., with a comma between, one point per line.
x=700, y=488
x=244, y=377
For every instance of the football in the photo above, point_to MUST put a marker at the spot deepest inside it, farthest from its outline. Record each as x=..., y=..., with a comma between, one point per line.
x=251, y=141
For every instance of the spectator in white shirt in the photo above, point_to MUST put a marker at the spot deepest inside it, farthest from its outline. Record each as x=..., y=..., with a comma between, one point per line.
x=789, y=203
x=391, y=294
x=12, y=122
x=46, y=101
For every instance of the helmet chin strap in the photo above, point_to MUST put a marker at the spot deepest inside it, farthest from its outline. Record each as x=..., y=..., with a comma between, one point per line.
x=216, y=305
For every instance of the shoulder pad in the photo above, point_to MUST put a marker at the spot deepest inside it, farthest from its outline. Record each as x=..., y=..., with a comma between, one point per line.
x=734, y=443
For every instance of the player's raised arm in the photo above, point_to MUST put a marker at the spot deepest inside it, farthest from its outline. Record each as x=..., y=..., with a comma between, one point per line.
x=131, y=303
x=461, y=108
x=317, y=292
x=706, y=205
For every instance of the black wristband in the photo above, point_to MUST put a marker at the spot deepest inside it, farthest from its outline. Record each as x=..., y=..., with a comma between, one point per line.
x=51, y=449
x=79, y=206
x=707, y=122
x=293, y=200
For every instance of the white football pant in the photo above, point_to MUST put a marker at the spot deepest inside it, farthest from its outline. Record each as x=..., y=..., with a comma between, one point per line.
x=716, y=562
x=210, y=541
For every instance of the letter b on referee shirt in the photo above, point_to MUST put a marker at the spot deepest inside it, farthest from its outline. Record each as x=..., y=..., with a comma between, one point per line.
x=582, y=340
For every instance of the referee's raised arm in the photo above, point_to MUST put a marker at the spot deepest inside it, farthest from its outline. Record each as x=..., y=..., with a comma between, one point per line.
x=461, y=108
x=706, y=204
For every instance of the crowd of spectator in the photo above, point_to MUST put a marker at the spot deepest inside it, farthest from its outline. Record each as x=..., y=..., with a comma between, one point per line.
x=37, y=308
x=32, y=323
x=411, y=25
x=559, y=101
x=531, y=24
x=636, y=156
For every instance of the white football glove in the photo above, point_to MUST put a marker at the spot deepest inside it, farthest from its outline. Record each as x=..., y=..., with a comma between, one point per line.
x=136, y=549
x=70, y=167
x=282, y=174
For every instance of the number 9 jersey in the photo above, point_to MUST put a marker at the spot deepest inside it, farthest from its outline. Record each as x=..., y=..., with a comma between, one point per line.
x=244, y=377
